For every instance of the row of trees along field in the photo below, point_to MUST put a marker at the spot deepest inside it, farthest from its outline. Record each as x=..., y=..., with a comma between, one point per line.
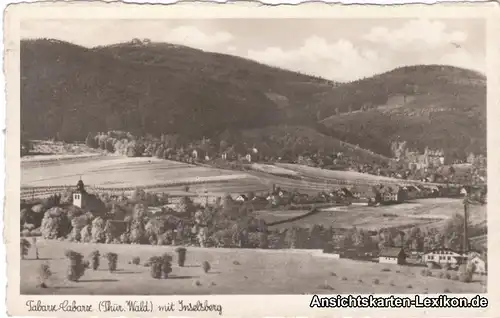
x=225, y=224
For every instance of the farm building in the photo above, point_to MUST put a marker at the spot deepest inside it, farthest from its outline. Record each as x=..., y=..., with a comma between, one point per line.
x=392, y=255
x=393, y=194
x=413, y=192
x=444, y=256
x=480, y=264
x=248, y=157
x=197, y=153
x=365, y=193
x=335, y=254
x=241, y=198
x=273, y=199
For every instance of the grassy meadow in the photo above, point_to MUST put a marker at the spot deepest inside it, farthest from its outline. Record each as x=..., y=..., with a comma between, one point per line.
x=234, y=271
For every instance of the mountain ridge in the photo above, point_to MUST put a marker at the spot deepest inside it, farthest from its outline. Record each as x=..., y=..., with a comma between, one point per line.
x=69, y=90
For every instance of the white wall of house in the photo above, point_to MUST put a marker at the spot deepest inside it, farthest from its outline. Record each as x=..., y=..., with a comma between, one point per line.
x=388, y=260
x=442, y=257
x=480, y=265
x=331, y=255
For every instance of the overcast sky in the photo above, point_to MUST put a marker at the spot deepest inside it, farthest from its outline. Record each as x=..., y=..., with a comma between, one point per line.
x=337, y=49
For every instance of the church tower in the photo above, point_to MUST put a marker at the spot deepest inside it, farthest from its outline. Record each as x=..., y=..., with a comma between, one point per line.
x=79, y=195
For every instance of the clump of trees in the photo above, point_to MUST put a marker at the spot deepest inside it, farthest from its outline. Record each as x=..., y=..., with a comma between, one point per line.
x=55, y=223
x=95, y=258
x=181, y=255
x=25, y=246
x=160, y=266
x=206, y=266
x=166, y=265
x=155, y=267
x=466, y=272
x=112, y=261
x=44, y=274
x=76, y=267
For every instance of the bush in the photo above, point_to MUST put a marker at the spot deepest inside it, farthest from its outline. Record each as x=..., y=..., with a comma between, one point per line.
x=376, y=281
x=166, y=266
x=25, y=246
x=333, y=274
x=426, y=272
x=125, y=238
x=76, y=267
x=263, y=240
x=98, y=230
x=446, y=266
x=447, y=275
x=95, y=258
x=465, y=277
x=344, y=278
x=454, y=277
x=385, y=270
x=155, y=268
x=112, y=261
x=466, y=272
x=44, y=274
x=206, y=266
x=431, y=265
x=236, y=263
x=446, y=291
x=136, y=260
x=181, y=256
x=409, y=286
x=441, y=275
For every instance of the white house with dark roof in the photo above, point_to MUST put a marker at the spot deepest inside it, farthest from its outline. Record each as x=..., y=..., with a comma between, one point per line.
x=392, y=255
x=444, y=256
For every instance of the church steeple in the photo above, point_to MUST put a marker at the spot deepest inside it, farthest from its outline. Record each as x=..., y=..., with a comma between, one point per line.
x=79, y=195
x=80, y=187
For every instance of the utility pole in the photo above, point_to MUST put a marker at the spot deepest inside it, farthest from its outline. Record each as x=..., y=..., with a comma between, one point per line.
x=466, y=221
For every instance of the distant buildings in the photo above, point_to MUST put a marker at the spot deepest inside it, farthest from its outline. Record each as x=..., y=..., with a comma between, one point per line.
x=430, y=158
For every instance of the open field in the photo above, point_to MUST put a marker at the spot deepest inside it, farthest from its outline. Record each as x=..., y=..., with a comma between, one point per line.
x=258, y=272
x=340, y=177
x=122, y=173
x=116, y=171
x=419, y=212
x=273, y=169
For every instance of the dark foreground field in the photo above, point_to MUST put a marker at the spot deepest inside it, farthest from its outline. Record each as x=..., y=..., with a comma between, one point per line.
x=234, y=271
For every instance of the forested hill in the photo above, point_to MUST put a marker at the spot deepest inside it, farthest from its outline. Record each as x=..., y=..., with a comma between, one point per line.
x=70, y=90
x=142, y=87
x=435, y=106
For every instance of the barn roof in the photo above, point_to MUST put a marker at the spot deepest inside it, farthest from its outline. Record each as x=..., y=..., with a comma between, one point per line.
x=391, y=251
x=363, y=190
